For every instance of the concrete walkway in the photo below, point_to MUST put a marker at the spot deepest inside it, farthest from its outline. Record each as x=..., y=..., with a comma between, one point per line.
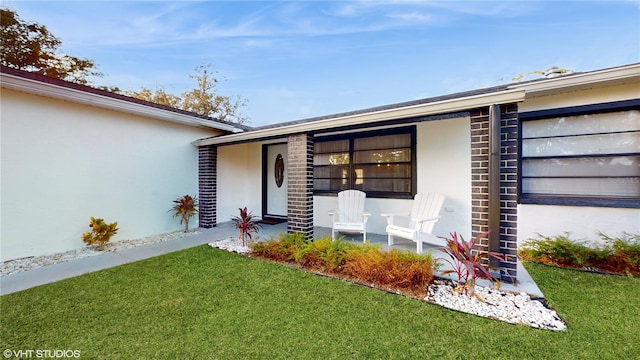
x=52, y=273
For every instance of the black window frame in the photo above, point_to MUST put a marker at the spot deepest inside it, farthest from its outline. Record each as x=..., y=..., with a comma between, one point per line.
x=568, y=200
x=351, y=137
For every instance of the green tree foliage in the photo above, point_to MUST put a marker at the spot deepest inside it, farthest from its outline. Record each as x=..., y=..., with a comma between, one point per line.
x=202, y=99
x=158, y=96
x=31, y=47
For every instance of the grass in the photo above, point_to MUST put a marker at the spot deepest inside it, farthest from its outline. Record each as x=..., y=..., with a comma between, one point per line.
x=205, y=303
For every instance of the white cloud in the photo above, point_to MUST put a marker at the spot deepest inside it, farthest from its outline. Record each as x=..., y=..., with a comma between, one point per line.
x=484, y=8
x=476, y=8
x=413, y=16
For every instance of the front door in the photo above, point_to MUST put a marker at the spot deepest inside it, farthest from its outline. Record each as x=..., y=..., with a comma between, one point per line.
x=275, y=181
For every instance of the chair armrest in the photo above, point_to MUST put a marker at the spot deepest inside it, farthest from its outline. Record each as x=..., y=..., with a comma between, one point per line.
x=395, y=214
x=390, y=216
x=365, y=216
x=431, y=218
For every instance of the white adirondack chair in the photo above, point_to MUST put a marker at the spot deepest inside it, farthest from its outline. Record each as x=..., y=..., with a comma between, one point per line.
x=350, y=217
x=419, y=222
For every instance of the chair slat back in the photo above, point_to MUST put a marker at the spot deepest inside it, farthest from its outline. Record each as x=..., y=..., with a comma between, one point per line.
x=351, y=205
x=426, y=205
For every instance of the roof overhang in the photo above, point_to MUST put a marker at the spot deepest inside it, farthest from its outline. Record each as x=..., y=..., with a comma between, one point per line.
x=574, y=82
x=432, y=108
x=35, y=87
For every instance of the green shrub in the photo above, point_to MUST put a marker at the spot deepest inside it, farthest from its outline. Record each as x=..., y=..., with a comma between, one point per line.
x=284, y=248
x=100, y=233
x=323, y=253
x=557, y=250
x=626, y=248
x=618, y=254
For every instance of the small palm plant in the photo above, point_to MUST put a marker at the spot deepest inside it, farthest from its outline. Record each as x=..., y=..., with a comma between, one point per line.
x=185, y=207
x=467, y=262
x=247, y=224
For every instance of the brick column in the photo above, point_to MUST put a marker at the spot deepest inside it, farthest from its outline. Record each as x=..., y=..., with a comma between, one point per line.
x=508, y=183
x=300, y=185
x=207, y=185
x=480, y=174
x=509, y=152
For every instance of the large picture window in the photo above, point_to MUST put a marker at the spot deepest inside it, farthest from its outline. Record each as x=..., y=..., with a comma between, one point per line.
x=591, y=159
x=382, y=164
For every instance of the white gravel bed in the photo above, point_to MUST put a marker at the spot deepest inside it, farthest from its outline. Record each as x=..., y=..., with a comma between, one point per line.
x=28, y=263
x=499, y=305
x=231, y=244
x=504, y=306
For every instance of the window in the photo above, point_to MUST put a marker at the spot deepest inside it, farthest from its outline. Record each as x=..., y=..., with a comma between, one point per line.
x=382, y=164
x=591, y=159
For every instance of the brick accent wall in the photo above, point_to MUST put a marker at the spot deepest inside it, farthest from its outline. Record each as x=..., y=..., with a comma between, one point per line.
x=300, y=185
x=480, y=174
x=508, y=183
x=509, y=152
x=207, y=185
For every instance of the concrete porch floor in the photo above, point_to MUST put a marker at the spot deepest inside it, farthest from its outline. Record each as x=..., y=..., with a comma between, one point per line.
x=48, y=274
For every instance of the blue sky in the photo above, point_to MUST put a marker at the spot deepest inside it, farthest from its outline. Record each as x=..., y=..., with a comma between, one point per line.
x=294, y=60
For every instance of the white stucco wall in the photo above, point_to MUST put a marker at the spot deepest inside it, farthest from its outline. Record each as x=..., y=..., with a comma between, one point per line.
x=63, y=162
x=582, y=222
x=443, y=157
x=444, y=166
x=239, y=180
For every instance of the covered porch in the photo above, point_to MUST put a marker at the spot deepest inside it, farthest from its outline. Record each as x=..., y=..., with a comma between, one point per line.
x=465, y=149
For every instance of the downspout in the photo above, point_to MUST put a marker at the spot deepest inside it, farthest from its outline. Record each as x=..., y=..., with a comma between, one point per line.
x=494, y=183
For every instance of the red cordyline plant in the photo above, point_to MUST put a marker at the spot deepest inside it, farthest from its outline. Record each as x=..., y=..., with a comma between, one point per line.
x=467, y=262
x=246, y=224
x=185, y=207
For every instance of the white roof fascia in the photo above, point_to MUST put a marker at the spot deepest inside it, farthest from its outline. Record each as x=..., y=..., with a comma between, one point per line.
x=82, y=97
x=616, y=75
x=437, y=107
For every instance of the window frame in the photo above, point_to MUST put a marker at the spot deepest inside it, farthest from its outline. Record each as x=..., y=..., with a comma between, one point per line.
x=565, y=200
x=351, y=137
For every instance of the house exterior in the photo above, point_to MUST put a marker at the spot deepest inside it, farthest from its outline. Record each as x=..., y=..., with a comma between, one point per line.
x=69, y=152
x=558, y=154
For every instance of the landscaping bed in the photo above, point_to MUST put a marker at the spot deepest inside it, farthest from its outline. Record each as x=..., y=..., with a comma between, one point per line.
x=616, y=255
x=397, y=272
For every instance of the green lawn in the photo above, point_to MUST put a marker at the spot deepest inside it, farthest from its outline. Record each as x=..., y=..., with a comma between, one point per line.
x=205, y=303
